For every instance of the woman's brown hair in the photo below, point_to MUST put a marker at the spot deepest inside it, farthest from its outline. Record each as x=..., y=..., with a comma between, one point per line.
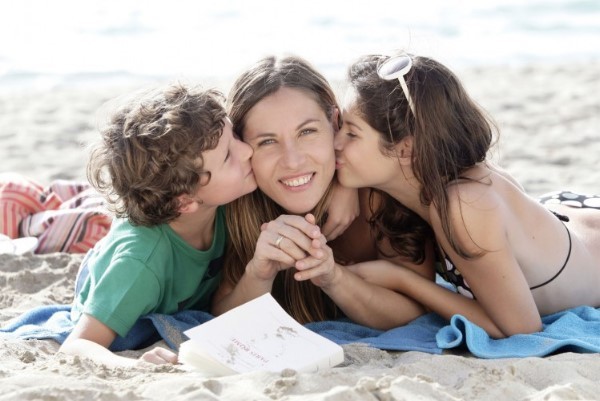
x=303, y=300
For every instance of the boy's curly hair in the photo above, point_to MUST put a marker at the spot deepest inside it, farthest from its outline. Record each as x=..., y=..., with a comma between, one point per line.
x=151, y=151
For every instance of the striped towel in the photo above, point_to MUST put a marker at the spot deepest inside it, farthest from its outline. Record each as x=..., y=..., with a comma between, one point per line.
x=66, y=216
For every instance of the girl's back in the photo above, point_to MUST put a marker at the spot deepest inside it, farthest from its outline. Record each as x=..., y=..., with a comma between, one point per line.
x=542, y=244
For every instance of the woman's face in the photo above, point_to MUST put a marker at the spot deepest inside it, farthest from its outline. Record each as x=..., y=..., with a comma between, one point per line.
x=292, y=140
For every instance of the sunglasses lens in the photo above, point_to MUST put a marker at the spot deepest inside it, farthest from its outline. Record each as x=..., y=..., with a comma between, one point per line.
x=395, y=67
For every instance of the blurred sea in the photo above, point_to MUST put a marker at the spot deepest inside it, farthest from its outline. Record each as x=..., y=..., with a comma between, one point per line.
x=48, y=44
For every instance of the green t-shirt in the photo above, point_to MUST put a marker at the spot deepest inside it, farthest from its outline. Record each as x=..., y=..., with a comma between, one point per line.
x=136, y=270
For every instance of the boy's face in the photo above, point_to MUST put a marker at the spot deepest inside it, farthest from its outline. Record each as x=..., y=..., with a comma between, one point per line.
x=230, y=170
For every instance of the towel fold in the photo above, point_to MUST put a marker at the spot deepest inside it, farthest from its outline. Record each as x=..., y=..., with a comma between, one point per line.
x=572, y=330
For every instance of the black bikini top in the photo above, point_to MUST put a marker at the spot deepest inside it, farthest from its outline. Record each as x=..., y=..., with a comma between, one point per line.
x=453, y=276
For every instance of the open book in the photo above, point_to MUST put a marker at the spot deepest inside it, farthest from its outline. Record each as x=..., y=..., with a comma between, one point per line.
x=258, y=335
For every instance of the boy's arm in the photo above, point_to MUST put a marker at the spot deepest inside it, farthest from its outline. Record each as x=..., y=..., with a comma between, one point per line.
x=91, y=338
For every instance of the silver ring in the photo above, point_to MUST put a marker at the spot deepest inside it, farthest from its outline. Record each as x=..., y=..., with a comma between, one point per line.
x=278, y=241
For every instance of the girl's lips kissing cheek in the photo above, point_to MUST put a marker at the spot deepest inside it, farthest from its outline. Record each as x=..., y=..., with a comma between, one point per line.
x=299, y=182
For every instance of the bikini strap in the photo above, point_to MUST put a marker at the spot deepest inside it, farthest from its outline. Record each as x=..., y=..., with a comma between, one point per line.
x=561, y=217
x=563, y=266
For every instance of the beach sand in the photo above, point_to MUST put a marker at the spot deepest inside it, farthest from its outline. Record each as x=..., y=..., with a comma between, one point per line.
x=549, y=117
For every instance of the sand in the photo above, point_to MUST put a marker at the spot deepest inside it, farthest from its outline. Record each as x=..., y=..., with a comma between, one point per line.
x=549, y=116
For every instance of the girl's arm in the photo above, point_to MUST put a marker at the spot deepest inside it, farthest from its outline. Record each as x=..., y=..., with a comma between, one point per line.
x=91, y=338
x=434, y=297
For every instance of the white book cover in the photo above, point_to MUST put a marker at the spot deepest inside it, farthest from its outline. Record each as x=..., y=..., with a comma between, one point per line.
x=258, y=335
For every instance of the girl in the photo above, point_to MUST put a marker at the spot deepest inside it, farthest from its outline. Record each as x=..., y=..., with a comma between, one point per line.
x=411, y=131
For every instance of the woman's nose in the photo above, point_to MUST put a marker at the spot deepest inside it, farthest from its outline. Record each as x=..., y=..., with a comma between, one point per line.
x=293, y=157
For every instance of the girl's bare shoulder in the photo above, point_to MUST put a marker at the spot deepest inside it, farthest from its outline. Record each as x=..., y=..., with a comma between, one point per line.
x=475, y=213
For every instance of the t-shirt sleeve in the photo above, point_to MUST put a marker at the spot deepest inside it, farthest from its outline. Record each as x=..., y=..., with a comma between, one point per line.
x=127, y=290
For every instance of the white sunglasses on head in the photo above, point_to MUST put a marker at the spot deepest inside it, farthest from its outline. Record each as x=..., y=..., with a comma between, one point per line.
x=397, y=67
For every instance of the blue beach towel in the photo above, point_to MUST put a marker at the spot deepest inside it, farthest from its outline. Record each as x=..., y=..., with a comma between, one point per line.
x=575, y=330
x=43, y=322
x=419, y=335
x=54, y=322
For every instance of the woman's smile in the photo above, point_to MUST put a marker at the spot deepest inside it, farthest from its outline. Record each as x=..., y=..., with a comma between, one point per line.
x=299, y=182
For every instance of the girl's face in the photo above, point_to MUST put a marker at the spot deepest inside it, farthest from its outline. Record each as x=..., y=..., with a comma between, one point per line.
x=292, y=140
x=230, y=170
x=359, y=160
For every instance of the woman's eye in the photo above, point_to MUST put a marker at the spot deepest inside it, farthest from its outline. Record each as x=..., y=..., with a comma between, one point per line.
x=266, y=142
x=350, y=135
x=307, y=131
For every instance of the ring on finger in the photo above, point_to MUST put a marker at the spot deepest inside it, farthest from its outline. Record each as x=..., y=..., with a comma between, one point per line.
x=278, y=241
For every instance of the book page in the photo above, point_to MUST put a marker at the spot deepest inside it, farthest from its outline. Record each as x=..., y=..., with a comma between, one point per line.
x=260, y=335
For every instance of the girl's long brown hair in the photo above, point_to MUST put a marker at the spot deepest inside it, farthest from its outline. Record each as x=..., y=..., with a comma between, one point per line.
x=450, y=134
x=303, y=300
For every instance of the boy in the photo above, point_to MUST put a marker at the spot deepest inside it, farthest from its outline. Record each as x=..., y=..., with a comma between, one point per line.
x=166, y=164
